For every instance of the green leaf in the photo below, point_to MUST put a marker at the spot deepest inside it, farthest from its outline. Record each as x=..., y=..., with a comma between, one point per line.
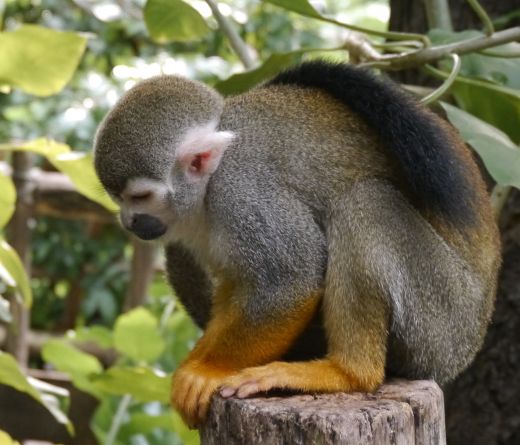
x=11, y=375
x=79, y=365
x=495, y=104
x=13, y=274
x=173, y=20
x=66, y=358
x=302, y=7
x=6, y=439
x=94, y=334
x=238, y=83
x=144, y=384
x=79, y=167
x=499, y=154
x=136, y=335
x=40, y=61
x=7, y=199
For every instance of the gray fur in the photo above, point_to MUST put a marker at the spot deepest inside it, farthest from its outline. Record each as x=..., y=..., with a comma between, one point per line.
x=305, y=198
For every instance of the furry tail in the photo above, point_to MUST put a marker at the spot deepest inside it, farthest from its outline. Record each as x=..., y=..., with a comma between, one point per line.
x=435, y=174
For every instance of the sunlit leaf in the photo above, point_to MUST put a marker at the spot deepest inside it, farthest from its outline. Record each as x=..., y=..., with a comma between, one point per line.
x=136, y=335
x=38, y=60
x=173, y=20
x=79, y=365
x=499, y=154
x=7, y=199
x=13, y=273
x=302, y=7
x=79, y=168
x=144, y=384
x=5, y=439
x=238, y=83
x=66, y=358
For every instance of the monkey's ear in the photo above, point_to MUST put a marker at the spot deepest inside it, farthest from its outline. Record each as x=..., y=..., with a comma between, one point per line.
x=201, y=150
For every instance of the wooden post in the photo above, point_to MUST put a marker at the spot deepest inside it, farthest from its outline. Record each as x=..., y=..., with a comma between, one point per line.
x=401, y=412
x=142, y=270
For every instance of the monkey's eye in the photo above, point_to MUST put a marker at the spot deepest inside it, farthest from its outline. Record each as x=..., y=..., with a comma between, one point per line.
x=141, y=196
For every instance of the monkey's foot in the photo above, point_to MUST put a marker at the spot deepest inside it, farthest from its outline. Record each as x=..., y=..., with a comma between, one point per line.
x=315, y=376
x=192, y=387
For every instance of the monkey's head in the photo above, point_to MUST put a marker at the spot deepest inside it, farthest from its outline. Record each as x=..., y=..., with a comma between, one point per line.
x=156, y=150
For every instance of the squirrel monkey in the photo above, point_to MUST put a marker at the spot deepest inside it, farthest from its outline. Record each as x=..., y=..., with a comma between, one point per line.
x=323, y=229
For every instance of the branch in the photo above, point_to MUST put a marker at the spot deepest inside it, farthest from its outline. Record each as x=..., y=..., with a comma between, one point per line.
x=238, y=45
x=429, y=55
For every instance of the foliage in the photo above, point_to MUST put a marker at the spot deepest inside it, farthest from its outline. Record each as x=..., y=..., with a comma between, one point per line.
x=61, y=95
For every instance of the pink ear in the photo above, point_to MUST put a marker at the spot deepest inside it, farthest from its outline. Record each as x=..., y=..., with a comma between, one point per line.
x=201, y=150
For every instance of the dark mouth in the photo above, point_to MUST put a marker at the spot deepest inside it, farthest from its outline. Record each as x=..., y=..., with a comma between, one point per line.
x=148, y=235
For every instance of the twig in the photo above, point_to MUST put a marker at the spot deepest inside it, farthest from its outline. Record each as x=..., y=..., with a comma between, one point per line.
x=238, y=45
x=429, y=55
x=482, y=15
x=432, y=97
x=118, y=418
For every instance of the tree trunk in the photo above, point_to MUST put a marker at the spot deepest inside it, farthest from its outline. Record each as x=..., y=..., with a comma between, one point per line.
x=482, y=404
x=400, y=412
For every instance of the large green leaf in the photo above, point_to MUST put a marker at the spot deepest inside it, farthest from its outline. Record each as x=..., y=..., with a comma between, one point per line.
x=11, y=375
x=13, y=273
x=136, y=335
x=7, y=199
x=238, y=83
x=66, y=358
x=173, y=20
x=144, y=384
x=495, y=104
x=78, y=166
x=40, y=61
x=499, y=154
x=79, y=365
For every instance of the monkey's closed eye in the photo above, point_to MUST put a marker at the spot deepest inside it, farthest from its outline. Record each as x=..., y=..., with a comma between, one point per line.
x=141, y=197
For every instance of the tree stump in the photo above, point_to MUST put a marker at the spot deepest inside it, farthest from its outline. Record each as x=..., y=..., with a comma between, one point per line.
x=401, y=412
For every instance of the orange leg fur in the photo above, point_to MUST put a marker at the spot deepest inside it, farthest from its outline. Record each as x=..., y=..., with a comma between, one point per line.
x=230, y=344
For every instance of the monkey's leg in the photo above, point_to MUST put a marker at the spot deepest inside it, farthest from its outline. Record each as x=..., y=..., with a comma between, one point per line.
x=356, y=311
x=233, y=341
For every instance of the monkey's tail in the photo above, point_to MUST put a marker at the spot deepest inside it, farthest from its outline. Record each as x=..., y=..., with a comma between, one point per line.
x=436, y=175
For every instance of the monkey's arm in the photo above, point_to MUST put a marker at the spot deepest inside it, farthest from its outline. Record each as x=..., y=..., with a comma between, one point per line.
x=190, y=282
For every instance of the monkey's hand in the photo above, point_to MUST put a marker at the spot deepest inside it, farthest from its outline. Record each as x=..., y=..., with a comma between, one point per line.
x=192, y=387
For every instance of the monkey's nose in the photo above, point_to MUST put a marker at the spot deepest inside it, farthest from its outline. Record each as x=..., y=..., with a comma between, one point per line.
x=147, y=227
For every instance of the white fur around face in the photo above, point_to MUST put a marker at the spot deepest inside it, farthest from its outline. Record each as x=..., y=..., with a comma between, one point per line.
x=203, y=146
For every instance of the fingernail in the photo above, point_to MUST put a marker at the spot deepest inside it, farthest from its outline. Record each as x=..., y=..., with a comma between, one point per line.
x=227, y=391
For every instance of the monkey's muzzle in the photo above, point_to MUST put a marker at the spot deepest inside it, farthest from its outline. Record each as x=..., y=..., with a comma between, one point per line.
x=147, y=227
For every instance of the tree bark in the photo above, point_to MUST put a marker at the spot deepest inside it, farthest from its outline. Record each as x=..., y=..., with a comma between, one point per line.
x=401, y=412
